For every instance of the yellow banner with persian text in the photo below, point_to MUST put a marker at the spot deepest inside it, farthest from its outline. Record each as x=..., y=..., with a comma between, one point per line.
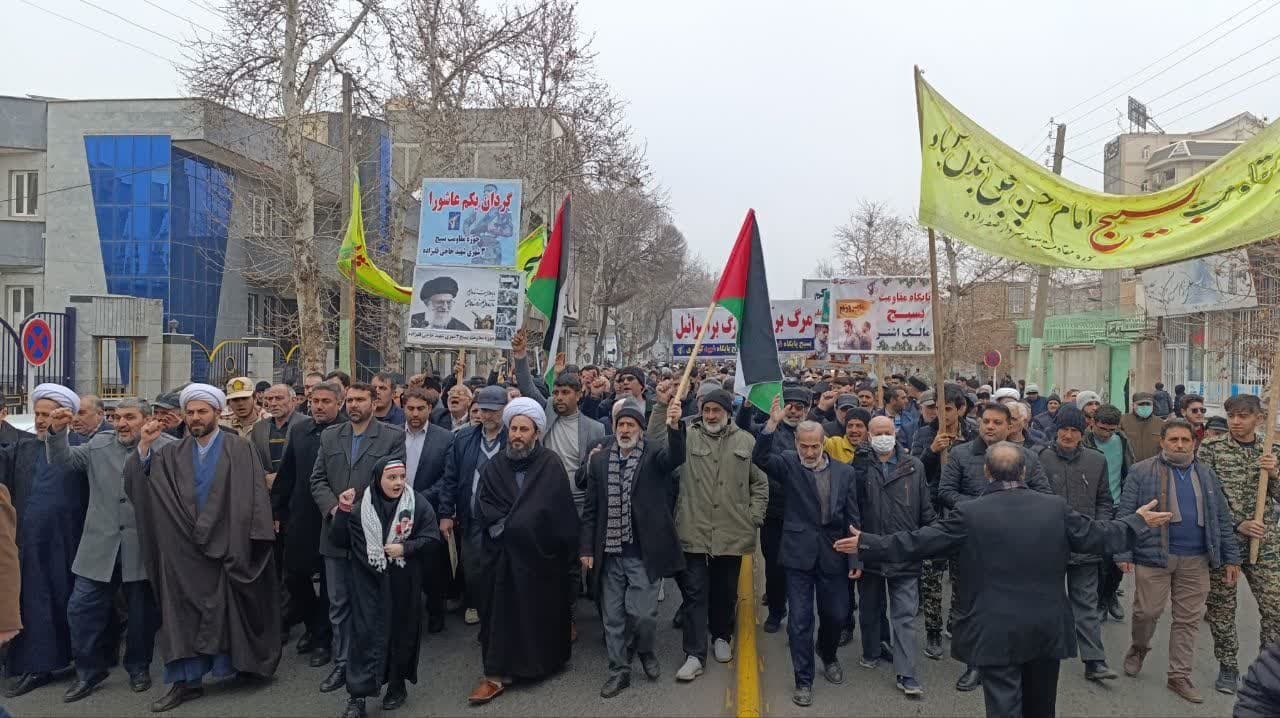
x=983, y=192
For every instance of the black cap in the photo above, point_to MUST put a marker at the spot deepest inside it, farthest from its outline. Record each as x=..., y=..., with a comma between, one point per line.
x=719, y=396
x=797, y=394
x=1216, y=423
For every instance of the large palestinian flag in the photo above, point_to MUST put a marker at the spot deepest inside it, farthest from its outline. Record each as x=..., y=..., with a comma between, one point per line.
x=744, y=292
x=550, y=283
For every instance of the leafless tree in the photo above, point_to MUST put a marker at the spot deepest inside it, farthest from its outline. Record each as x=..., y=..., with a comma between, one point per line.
x=678, y=279
x=877, y=242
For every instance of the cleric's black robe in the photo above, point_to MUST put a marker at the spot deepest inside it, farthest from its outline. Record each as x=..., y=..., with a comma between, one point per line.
x=386, y=606
x=530, y=538
x=212, y=570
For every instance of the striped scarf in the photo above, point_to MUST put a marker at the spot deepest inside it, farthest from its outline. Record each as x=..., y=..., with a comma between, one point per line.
x=622, y=472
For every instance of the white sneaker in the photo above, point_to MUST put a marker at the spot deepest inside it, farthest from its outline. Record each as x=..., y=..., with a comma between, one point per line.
x=662, y=590
x=691, y=669
x=471, y=617
x=723, y=652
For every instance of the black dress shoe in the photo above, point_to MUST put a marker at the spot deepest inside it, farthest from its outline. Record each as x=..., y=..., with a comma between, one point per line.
x=26, y=683
x=82, y=688
x=970, y=680
x=677, y=621
x=355, y=708
x=179, y=693
x=435, y=624
x=305, y=644
x=337, y=679
x=396, y=696
x=140, y=682
x=617, y=683
x=320, y=657
x=652, y=668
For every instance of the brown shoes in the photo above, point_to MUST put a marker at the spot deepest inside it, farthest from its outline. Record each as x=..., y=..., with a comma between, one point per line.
x=1133, y=660
x=485, y=692
x=573, y=633
x=1183, y=687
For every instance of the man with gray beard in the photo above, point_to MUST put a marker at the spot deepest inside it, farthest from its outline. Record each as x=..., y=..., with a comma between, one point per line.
x=722, y=503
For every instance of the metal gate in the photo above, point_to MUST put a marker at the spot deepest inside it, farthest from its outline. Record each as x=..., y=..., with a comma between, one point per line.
x=58, y=369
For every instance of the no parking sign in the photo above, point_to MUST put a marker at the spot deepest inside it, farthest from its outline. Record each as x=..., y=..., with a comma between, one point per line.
x=37, y=341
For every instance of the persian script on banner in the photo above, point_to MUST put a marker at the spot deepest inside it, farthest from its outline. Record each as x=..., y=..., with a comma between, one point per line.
x=721, y=339
x=469, y=222
x=795, y=323
x=465, y=307
x=881, y=315
x=983, y=192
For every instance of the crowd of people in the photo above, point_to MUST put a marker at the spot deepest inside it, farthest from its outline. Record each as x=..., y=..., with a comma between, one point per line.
x=210, y=522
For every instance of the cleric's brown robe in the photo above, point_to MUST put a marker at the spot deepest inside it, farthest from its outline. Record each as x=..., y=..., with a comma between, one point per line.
x=213, y=574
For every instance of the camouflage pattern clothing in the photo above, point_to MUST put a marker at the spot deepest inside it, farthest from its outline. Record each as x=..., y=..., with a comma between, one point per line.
x=1237, y=468
x=931, y=593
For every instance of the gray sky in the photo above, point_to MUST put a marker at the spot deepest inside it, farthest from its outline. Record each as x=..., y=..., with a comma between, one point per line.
x=799, y=109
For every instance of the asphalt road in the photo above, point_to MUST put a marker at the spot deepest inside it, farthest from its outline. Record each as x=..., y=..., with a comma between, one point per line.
x=871, y=692
x=448, y=669
x=450, y=666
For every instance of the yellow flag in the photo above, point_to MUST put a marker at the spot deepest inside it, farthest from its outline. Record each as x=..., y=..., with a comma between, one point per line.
x=353, y=251
x=981, y=191
x=529, y=252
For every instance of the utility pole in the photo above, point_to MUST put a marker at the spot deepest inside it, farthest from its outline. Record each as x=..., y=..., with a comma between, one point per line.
x=1035, y=354
x=347, y=331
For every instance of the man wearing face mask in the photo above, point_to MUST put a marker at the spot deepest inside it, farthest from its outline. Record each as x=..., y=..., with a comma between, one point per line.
x=722, y=503
x=894, y=497
x=821, y=503
x=1142, y=428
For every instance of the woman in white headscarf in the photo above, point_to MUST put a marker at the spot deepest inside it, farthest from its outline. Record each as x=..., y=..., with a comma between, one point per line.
x=386, y=528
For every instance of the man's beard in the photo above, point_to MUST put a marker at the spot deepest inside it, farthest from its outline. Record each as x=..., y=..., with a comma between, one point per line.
x=517, y=453
x=628, y=443
x=199, y=430
x=130, y=442
x=793, y=423
x=713, y=427
x=811, y=464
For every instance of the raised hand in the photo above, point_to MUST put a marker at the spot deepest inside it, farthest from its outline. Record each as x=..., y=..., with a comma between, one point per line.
x=665, y=389
x=674, y=415
x=776, y=412
x=150, y=432
x=60, y=419
x=519, y=344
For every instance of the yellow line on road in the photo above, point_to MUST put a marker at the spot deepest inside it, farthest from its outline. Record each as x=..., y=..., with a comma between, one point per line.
x=748, y=659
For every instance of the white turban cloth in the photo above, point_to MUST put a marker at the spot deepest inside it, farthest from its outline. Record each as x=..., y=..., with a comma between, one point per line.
x=524, y=406
x=58, y=394
x=207, y=393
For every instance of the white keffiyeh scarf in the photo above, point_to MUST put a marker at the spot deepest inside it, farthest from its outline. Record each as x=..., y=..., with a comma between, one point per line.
x=399, y=529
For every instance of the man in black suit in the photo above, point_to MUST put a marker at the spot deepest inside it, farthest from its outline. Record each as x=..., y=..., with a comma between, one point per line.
x=1016, y=624
x=822, y=499
x=425, y=448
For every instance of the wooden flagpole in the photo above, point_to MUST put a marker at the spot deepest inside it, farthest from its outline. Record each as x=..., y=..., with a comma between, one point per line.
x=697, y=346
x=939, y=363
x=1261, y=501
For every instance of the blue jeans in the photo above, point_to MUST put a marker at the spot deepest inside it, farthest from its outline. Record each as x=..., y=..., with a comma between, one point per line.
x=832, y=593
x=89, y=615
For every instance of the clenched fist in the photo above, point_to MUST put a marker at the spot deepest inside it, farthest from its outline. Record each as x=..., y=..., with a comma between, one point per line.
x=346, y=500
x=60, y=418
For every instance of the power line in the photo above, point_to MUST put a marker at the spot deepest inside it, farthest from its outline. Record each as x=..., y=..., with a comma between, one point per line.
x=124, y=19
x=1179, y=62
x=1074, y=161
x=206, y=8
x=184, y=18
x=100, y=32
x=1158, y=60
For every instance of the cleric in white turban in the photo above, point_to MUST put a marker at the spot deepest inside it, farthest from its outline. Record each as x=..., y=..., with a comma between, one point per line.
x=211, y=395
x=58, y=394
x=524, y=406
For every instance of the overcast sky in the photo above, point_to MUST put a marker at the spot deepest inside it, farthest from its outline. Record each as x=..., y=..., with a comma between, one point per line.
x=798, y=109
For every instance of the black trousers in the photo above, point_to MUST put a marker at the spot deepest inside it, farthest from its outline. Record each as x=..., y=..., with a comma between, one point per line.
x=775, y=576
x=437, y=577
x=310, y=606
x=710, y=590
x=1027, y=690
x=1109, y=578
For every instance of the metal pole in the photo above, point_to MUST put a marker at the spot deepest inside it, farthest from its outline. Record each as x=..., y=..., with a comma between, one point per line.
x=348, y=166
x=1035, y=352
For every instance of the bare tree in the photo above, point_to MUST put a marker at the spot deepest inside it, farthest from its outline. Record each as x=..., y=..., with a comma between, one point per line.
x=277, y=58
x=678, y=279
x=877, y=242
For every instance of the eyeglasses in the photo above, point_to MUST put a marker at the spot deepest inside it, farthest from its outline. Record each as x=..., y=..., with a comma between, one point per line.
x=1199, y=410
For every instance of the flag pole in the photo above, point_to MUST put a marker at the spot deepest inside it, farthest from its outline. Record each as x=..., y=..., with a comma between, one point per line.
x=1261, y=502
x=693, y=355
x=939, y=363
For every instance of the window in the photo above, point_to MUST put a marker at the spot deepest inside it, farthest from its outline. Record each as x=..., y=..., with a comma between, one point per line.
x=1017, y=301
x=1169, y=174
x=22, y=304
x=255, y=315
x=264, y=217
x=24, y=193
x=1146, y=152
x=1146, y=186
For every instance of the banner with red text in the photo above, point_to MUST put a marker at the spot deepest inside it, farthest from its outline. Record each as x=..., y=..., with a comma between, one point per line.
x=795, y=322
x=881, y=315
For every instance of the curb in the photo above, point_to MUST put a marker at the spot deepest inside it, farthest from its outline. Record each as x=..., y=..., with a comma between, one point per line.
x=748, y=689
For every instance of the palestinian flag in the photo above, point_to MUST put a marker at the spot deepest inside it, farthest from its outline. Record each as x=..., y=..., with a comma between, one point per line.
x=744, y=292
x=550, y=284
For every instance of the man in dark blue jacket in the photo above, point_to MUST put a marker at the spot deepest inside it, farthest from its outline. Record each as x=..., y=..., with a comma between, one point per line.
x=821, y=505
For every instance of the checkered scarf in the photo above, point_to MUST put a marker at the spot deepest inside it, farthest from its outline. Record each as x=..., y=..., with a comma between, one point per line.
x=622, y=472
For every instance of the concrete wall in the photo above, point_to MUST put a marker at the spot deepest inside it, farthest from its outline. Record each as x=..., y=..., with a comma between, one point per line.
x=175, y=361
x=22, y=123
x=114, y=316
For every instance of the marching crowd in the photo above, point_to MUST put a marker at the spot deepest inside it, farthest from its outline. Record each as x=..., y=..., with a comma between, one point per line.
x=211, y=521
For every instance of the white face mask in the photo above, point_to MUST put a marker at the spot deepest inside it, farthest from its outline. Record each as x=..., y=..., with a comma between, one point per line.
x=883, y=444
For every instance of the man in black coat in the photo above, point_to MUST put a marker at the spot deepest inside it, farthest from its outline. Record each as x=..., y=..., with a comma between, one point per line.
x=426, y=447
x=1079, y=475
x=795, y=405
x=628, y=532
x=1014, y=544
x=821, y=504
x=298, y=521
